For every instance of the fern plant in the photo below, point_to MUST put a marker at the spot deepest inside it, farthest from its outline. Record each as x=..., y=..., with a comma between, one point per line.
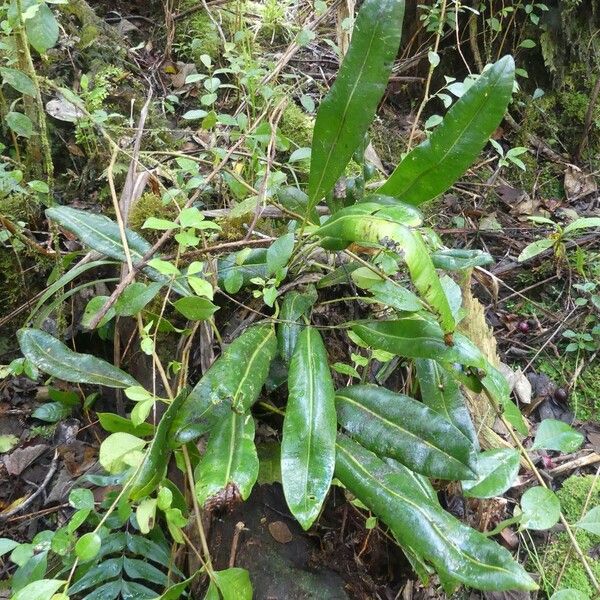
x=382, y=446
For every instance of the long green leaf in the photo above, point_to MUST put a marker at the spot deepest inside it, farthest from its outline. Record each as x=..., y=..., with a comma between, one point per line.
x=233, y=382
x=413, y=336
x=54, y=358
x=376, y=224
x=442, y=394
x=154, y=466
x=349, y=108
x=455, y=550
x=397, y=426
x=230, y=459
x=101, y=234
x=295, y=305
x=433, y=166
x=309, y=428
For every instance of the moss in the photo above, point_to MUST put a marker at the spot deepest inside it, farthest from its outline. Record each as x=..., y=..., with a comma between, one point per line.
x=572, y=496
x=296, y=125
x=149, y=205
x=584, y=400
x=19, y=207
x=196, y=34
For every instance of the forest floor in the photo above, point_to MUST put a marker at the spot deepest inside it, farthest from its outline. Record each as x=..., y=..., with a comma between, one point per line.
x=544, y=311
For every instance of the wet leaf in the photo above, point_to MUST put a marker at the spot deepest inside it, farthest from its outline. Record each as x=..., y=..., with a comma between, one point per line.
x=294, y=306
x=433, y=166
x=590, y=521
x=541, y=508
x=42, y=589
x=54, y=358
x=233, y=382
x=349, y=108
x=441, y=393
x=457, y=552
x=309, y=428
x=230, y=458
x=397, y=426
x=497, y=471
x=103, y=235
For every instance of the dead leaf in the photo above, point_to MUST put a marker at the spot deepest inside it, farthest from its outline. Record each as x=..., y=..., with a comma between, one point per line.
x=578, y=183
x=490, y=223
x=20, y=459
x=280, y=532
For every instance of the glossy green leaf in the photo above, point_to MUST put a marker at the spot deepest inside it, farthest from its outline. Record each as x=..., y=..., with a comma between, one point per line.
x=233, y=382
x=395, y=296
x=458, y=258
x=309, y=428
x=349, y=108
x=51, y=412
x=397, y=426
x=414, y=336
x=296, y=201
x=242, y=268
x=18, y=81
x=441, y=393
x=54, y=358
x=141, y=569
x=590, y=521
x=156, y=459
x=456, y=551
x=43, y=589
x=230, y=459
x=497, y=471
x=541, y=508
x=433, y=166
x=294, y=306
x=557, y=435
x=115, y=423
x=103, y=235
x=279, y=252
x=569, y=594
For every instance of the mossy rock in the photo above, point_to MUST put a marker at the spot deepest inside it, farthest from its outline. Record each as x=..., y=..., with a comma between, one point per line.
x=573, y=496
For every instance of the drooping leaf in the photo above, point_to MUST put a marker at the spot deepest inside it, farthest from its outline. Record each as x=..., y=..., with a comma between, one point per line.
x=154, y=466
x=373, y=224
x=18, y=80
x=294, y=306
x=433, y=166
x=456, y=551
x=557, y=435
x=54, y=358
x=497, y=471
x=397, y=426
x=230, y=458
x=541, y=508
x=414, y=336
x=309, y=428
x=19, y=123
x=42, y=27
x=103, y=235
x=441, y=393
x=458, y=258
x=349, y=108
x=233, y=382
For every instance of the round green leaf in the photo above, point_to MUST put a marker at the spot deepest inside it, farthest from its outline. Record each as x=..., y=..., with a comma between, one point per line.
x=557, y=435
x=88, y=546
x=19, y=123
x=591, y=521
x=81, y=498
x=497, y=471
x=541, y=508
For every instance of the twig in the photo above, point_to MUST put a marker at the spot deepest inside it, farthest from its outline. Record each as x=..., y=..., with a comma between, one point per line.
x=41, y=488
